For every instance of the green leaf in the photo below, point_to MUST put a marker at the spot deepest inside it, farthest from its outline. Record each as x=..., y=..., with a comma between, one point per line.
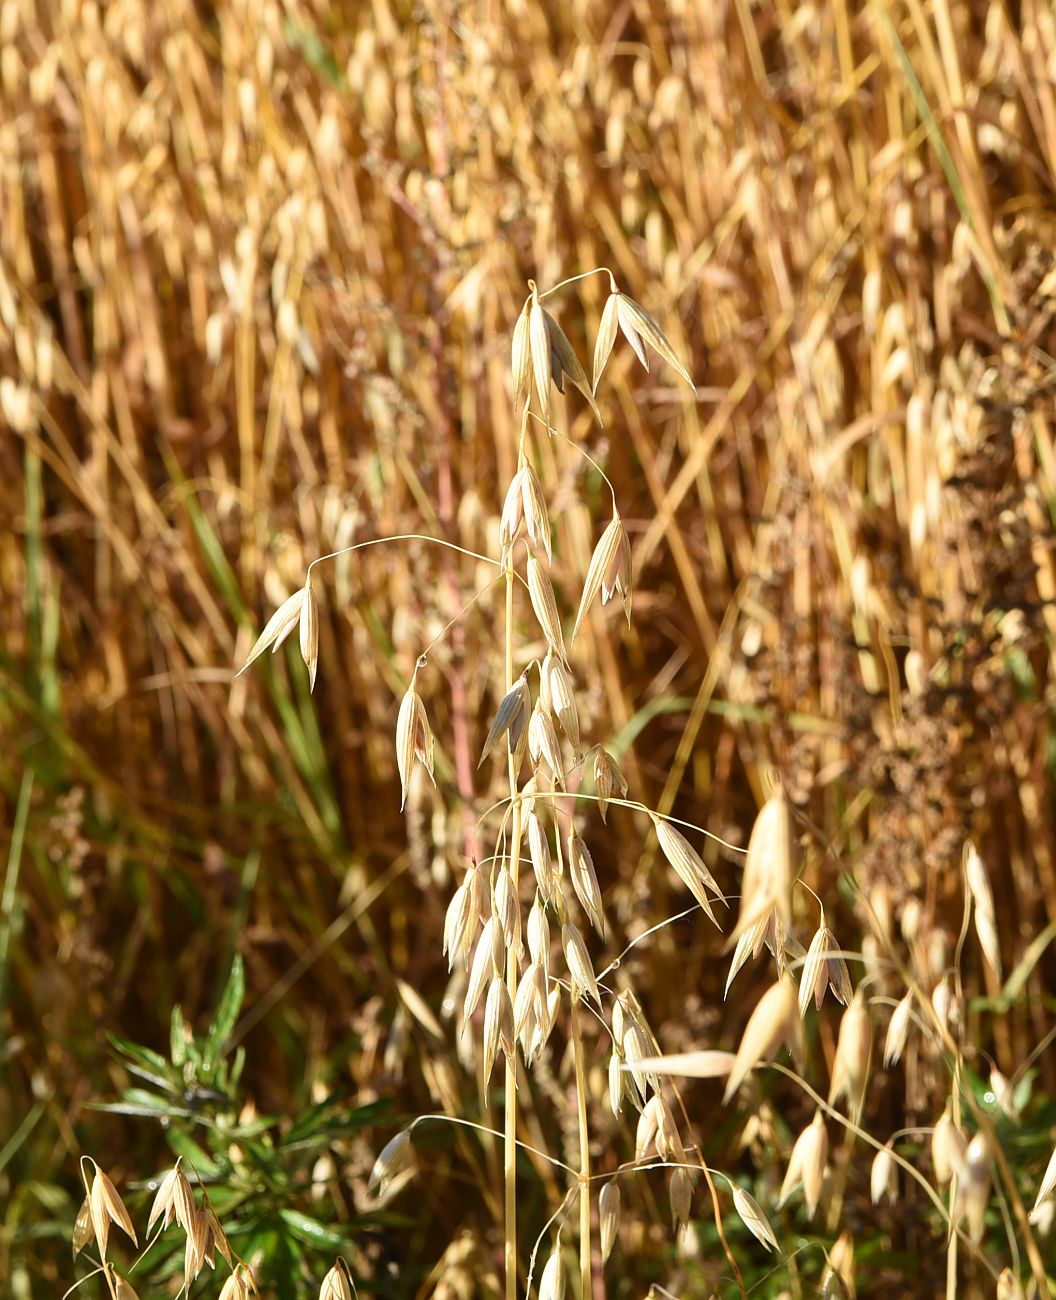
x=137, y=1052
x=312, y=1232
x=329, y=1119
x=226, y=1014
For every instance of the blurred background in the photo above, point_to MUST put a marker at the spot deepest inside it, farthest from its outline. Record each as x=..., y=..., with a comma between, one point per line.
x=259, y=268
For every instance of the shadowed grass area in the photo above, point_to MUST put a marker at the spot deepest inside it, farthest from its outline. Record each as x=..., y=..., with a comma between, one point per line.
x=259, y=268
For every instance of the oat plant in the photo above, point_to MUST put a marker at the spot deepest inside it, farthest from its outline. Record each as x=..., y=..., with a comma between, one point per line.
x=523, y=938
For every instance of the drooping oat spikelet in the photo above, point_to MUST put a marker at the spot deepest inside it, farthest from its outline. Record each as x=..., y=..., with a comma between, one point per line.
x=639, y=328
x=773, y=1024
x=82, y=1227
x=841, y=1264
x=1048, y=1182
x=309, y=632
x=606, y=337
x=766, y=888
x=197, y=1248
x=277, y=628
x=533, y=505
x=487, y=960
x=459, y=925
x=563, y=361
x=648, y=1127
x=106, y=1207
x=609, y=1216
x=883, y=1177
x=120, y=1288
x=507, y=908
x=544, y=603
x=823, y=968
x=394, y=1157
x=512, y=717
x=608, y=780
x=414, y=739
x=948, y=1146
x=543, y=747
x=680, y=1197
x=688, y=865
x=539, y=347
x=850, y=1066
x=985, y=913
x=512, y=514
x=898, y=1031
x=1004, y=1095
x=539, y=935
x=972, y=1193
x=753, y=1218
x=338, y=1284
x=609, y=571
x=539, y=851
x=806, y=1164
x=236, y=1287
x=615, y=1082
x=584, y=879
x=1009, y=1286
x=552, y=1281
x=638, y=1049
x=559, y=698
x=498, y=1025
x=522, y=354
x=686, y=1065
x=580, y=968
x=172, y=1200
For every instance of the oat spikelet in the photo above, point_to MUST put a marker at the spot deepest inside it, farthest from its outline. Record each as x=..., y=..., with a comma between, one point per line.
x=512, y=717
x=563, y=361
x=972, y=1194
x=277, y=628
x=393, y=1158
x=883, y=1180
x=487, y=960
x=1048, y=1183
x=688, y=865
x=680, y=1197
x=533, y=506
x=522, y=356
x=753, y=1218
x=552, y=1282
x=687, y=1065
x=639, y=328
x=766, y=890
x=309, y=632
x=544, y=603
x=539, y=345
x=580, y=968
x=539, y=851
x=948, y=1146
x=985, y=913
x=236, y=1287
x=608, y=780
x=498, y=1025
x=773, y=1024
x=106, y=1207
x=512, y=513
x=850, y=1066
x=338, y=1284
x=806, y=1164
x=414, y=739
x=609, y=571
x=120, y=1288
x=823, y=968
x=559, y=697
x=898, y=1031
x=609, y=1216
x=603, y=344
x=585, y=880
x=543, y=746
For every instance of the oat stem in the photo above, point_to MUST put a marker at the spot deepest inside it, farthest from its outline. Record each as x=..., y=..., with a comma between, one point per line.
x=401, y=537
x=586, y=1288
x=510, y=1092
x=583, y=275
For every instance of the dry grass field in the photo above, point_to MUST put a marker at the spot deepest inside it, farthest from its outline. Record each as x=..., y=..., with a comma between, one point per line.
x=261, y=265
